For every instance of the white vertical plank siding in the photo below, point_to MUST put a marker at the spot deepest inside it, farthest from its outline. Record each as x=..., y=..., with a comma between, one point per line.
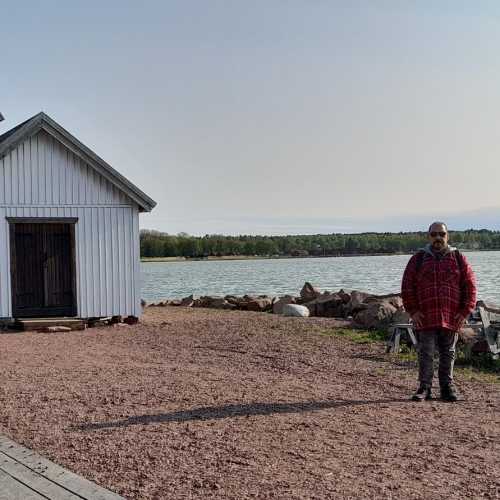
x=101, y=231
x=42, y=171
x=95, y=256
x=8, y=179
x=20, y=172
x=107, y=279
x=41, y=178
x=136, y=258
x=109, y=259
x=126, y=248
x=2, y=181
x=33, y=156
x=15, y=176
x=121, y=259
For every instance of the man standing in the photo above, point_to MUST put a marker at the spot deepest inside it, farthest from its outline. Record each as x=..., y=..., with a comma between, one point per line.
x=439, y=292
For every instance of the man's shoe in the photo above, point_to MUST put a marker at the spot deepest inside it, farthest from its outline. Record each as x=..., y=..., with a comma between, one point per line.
x=449, y=393
x=422, y=393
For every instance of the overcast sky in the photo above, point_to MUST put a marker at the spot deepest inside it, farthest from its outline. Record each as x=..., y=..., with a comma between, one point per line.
x=273, y=116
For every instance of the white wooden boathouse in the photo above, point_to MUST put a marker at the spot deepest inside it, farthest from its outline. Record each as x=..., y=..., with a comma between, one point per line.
x=69, y=228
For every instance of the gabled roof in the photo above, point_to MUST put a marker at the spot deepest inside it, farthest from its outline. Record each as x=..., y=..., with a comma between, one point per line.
x=13, y=137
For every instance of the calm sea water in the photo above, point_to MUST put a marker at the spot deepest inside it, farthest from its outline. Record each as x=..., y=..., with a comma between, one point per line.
x=380, y=274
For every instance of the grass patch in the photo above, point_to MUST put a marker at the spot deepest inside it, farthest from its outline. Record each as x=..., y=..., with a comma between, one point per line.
x=409, y=355
x=356, y=336
x=477, y=375
x=481, y=367
x=480, y=362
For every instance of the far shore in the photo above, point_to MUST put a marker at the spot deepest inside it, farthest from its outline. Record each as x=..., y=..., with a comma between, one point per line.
x=275, y=257
x=253, y=257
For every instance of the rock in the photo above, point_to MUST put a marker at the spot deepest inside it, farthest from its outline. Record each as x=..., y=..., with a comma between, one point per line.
x=397, y=302
x=344, y=295
x=329, y=305
x=223, y=305
x=309, y=292
x=173, y=302
x=214, y=303
x=281, y=302
x=233, y=299
x=161, y=303
x=93, y=321
x=206, y=300
x=250, y=302
x=295, y=310
x=187, y=301
x=376, y=315
x=98, y=322
x=115, y=319
x=242, y=302
x=259, y=304
x=131, y=320
x=393, y=298
x=357, y=301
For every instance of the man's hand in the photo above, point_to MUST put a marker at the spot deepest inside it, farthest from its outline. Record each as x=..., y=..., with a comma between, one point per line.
x=459, y=320
x=417, y=319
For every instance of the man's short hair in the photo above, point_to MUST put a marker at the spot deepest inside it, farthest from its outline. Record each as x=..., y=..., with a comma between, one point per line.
x=438, y=223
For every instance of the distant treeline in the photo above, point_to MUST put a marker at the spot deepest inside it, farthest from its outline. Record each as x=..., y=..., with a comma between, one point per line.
x=157, y=244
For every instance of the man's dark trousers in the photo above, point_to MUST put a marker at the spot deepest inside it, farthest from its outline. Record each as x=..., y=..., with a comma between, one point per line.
x=446, y=341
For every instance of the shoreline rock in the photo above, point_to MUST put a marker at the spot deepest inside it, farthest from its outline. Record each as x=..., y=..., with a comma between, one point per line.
x=363, y=309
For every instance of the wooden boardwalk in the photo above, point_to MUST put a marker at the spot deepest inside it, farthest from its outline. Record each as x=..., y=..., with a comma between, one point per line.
x=25, y=475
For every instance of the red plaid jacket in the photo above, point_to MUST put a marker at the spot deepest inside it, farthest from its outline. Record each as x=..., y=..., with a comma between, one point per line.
x=440, y=289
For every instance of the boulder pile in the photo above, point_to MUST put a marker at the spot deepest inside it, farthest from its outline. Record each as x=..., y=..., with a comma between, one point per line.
x=365, y=310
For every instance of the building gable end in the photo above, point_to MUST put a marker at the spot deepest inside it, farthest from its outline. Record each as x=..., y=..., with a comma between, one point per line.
x=42, y=171
x=11, y=139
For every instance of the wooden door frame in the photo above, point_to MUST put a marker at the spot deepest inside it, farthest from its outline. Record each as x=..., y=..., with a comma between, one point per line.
x=70, y=221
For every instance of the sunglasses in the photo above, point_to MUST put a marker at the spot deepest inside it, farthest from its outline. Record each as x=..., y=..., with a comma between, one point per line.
x=434, y=234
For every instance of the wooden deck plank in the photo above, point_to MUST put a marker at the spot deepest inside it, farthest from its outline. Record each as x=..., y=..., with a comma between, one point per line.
x=33, y=480
x=11, y=489
x=69, y=482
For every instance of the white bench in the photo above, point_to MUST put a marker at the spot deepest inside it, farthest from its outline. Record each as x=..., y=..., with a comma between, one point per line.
x=396, y=330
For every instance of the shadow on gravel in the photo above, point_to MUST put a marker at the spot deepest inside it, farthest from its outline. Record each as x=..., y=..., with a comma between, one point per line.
x=230, y=411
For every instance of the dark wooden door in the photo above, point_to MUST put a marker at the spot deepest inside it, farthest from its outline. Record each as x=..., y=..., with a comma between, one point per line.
x=42, y=270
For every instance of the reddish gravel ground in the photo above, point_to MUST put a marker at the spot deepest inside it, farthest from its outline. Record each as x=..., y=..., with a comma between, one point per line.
x=199, y=403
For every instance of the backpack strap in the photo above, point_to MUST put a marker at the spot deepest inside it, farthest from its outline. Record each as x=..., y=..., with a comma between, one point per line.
x=460, y=260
